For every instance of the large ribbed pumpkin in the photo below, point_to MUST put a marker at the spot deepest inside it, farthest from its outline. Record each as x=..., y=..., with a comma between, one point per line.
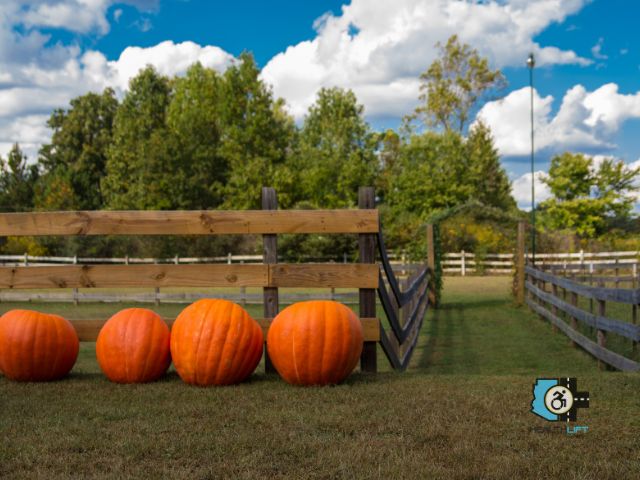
x=315, y=343
x=215, y=342
x=133, y=346
x=36, y=346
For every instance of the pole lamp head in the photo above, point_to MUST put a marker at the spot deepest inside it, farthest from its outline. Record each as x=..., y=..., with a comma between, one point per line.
x=531, y=61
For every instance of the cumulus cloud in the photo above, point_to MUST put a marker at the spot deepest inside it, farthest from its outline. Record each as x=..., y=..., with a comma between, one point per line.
x=36, y=91
x=521, y=190
x=585, y=121
x=81, y=16
x=379, y=48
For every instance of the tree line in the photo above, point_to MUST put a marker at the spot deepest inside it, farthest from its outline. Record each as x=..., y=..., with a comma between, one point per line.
x=210, y=140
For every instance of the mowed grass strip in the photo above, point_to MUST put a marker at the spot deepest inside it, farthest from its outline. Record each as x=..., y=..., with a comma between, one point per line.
x=461, y=411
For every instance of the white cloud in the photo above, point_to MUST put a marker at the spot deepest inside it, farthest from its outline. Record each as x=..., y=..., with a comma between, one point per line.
x=596, y=50
x=585, y=121
x=25, y=107
x=521, y=189
x=80, y=16
x=394, y=42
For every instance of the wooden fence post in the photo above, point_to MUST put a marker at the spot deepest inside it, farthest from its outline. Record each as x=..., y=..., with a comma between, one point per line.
x=431, y=263
x=463, y=269
x=601, y=334
x=75, y=290
x=574, y=320
x=270, y=255
x=367, y=250
x=554, y=309
x=520, y=264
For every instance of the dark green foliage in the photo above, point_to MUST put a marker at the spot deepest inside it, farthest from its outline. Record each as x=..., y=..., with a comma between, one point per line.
x=17, y=182
x=336, y=151
x=74, y=162
x=588, y=200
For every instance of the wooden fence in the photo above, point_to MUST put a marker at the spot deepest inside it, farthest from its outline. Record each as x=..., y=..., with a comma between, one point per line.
x=546, y=294
x=270, y=275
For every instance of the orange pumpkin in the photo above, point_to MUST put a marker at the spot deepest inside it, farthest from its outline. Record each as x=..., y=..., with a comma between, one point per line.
x=315, y=343
x=36, y=346
x=133, y=346
x=215, y=342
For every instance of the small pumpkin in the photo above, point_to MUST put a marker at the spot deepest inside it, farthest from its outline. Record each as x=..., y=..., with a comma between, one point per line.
x=133, y=346
x=36, y=346
x=315, y=342
x=215, y=342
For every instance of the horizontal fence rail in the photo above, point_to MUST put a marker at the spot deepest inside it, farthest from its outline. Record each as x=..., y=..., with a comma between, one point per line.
x=552, y=307
x=238, y=275
x=205, y=222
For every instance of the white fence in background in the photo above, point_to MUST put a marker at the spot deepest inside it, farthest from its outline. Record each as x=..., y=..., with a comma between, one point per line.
x=464, y=263
x=460, y=263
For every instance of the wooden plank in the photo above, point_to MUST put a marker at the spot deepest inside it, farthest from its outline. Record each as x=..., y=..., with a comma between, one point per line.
x=607, y=356
x=127, y=276
x=601, y=336
x=88, y=330
x=601, y=322
x=67, y=296
x=367, y=293
x=321, y=275
x=198, y=222
x=270, y=299
x=596, y=293
x=234, y=275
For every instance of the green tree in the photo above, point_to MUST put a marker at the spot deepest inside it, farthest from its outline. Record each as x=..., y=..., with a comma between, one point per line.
x=74, y=161
x=432, y=174
x=256, y=136
x=337, y=151
x=389, y=156
x=489, y=181
x=141, y=161
x=17, y=181
x=194, y=120
x=586, y=199
x=454, y=84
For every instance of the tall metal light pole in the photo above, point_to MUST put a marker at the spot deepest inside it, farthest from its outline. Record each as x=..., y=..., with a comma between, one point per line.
x=531, y=62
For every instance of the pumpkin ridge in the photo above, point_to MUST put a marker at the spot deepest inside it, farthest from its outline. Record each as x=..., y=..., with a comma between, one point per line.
x=127, y=330
x=211, y=313
x=323, y=353
x=243, y=324
x=229, y=311
x=154, y=354
x=31, y=351
x=196, y=355
x=55, y=335
x=149, y=343
x=293, y=348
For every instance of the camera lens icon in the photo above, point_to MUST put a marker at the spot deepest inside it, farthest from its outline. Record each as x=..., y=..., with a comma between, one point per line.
x=558, y=399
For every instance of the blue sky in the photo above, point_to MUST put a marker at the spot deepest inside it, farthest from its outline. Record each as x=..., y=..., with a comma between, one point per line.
x=587, y=81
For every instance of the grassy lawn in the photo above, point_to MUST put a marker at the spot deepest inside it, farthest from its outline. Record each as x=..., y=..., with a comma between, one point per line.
x=460, y=411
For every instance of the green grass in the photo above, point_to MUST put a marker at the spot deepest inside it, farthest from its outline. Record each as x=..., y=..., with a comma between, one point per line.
x=460, y=411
